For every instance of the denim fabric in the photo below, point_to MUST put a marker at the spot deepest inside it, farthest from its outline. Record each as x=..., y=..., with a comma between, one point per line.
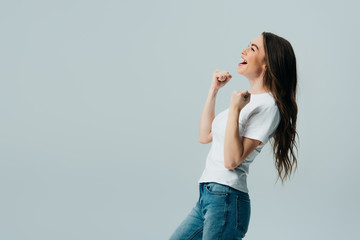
x=221, y=212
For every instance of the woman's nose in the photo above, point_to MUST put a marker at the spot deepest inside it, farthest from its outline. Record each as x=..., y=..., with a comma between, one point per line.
x=243, y=51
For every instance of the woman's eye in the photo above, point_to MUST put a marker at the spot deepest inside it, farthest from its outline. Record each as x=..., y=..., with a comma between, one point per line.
x=252, y=49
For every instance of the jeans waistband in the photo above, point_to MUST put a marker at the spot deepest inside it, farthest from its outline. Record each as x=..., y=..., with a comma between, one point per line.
x=228, y=188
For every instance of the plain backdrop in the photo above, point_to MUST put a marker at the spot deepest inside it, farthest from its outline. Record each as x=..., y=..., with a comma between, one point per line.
x=100, y=109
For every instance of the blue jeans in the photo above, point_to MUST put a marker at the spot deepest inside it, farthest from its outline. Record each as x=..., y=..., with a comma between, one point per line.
x=221, y=212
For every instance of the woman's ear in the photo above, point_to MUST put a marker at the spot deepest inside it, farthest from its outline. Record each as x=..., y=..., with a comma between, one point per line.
x=264, y=67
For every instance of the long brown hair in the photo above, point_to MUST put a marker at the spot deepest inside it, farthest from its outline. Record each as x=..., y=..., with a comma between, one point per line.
x=281, y=79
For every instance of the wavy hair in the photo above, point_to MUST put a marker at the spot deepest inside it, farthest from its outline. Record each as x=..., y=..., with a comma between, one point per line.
x=281, y=79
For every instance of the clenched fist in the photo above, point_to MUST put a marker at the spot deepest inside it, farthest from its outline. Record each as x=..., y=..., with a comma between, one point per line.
x=220, y=78
x=239, y=99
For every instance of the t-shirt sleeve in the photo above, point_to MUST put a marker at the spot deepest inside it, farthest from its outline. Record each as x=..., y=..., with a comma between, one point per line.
x=262, y=123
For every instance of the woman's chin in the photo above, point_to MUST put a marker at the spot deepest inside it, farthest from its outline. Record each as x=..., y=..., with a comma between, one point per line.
x=240, y=71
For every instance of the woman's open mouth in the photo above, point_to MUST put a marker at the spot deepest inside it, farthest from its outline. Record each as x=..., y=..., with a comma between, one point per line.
x=243, y=63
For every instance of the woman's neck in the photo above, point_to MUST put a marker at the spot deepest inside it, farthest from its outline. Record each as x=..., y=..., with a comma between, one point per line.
x=257, y=86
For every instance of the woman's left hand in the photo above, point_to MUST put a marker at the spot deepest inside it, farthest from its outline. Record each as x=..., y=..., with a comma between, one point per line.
x=239, y=99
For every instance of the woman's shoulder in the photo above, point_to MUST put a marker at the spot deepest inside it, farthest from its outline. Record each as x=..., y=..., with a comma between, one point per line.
x=263, y=101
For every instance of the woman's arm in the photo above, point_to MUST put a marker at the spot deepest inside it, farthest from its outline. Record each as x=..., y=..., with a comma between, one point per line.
x=219, y=79
x=207, y=116
x=236, y=147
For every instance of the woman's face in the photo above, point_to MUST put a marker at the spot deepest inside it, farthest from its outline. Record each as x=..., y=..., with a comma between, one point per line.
x=254, y=56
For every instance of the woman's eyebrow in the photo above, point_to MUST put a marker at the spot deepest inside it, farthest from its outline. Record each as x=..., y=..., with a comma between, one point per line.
x=252, y=44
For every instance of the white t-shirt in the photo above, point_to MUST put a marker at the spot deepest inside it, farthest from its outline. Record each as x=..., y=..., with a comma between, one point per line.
x=258, y=120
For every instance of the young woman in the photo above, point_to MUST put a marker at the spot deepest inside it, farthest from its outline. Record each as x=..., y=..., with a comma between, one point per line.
x=267, y=112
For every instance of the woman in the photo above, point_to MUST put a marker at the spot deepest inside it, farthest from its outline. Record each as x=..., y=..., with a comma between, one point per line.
x=267, y=111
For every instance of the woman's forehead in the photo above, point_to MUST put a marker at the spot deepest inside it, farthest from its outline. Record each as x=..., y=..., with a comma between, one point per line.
x=258, y=40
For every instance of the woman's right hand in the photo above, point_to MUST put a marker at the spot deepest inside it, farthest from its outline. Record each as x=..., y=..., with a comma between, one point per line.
x=220, y=78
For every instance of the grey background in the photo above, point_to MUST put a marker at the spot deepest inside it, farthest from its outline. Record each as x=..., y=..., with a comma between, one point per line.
x=100, y=109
